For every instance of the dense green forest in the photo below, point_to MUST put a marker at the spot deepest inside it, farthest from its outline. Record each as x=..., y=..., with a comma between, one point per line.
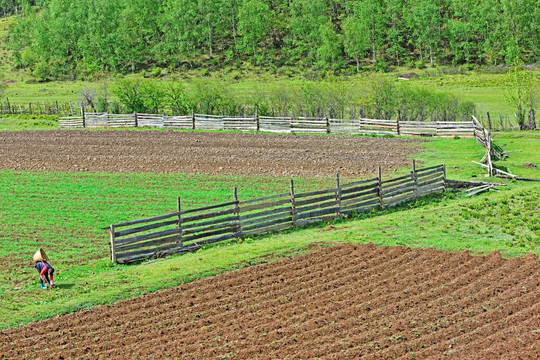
x=55, y=38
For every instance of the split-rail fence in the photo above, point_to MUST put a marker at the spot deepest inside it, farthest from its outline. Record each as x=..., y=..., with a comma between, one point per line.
x=188, y=230
x=273, y=124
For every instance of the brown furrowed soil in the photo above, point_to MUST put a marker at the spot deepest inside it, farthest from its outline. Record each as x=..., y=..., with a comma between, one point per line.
x=343, y=302
x=202, y=153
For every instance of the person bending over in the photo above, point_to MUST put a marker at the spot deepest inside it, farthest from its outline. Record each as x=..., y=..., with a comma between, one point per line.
x=46, y=273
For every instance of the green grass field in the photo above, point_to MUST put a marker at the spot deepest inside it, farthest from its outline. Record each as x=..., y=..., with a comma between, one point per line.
x=64, y=213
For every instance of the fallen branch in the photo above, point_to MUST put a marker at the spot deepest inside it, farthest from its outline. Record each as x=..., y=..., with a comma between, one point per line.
x=516, y=177
x=479, y=190
x=458, y=184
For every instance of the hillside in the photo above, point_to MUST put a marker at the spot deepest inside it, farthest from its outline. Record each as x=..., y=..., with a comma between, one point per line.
x=77, y=39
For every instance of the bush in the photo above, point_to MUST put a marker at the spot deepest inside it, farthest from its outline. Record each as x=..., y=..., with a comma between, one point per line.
x=156, y=72
x=139, y=95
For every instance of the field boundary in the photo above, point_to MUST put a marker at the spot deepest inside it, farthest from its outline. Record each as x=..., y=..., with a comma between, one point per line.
x=272, y=124
x=188, y=230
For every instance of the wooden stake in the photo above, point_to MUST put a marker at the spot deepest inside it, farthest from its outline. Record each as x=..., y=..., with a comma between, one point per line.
x=293, y=204
x=415, y=178
x=257, y=117
x=179, y=208
x=379, y=187
x=397, y=122
x=113, y=251
x=444, y=176
x=237, y=209
x=327, y=125
x=338, y=197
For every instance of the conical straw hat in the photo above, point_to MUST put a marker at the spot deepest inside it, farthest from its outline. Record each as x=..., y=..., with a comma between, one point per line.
x=40, y=256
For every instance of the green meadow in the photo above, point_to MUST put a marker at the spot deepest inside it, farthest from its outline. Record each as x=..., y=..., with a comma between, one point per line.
x=65, y=213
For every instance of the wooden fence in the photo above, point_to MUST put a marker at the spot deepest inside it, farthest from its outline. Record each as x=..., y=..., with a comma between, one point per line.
x=188, y=230
x=274, y=124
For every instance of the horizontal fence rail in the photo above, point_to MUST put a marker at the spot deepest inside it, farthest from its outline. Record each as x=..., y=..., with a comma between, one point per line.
x=275, y=124
x=188, y=230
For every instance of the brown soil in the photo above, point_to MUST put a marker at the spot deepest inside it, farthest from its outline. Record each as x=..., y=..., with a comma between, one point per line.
x=202, y=153
x=334, y=303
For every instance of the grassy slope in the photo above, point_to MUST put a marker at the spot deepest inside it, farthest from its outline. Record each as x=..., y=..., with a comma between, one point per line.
x=67, y=210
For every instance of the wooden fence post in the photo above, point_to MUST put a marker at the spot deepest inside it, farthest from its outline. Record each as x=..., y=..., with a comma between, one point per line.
x=136, y=119
x=338, y=197
x=237, y=210
x=57, y=108
x=444, y=177
x=293, y=205
x=415, y=178
x=30, y=108
x=487, y=136
x=8, y=106
x=257, y=117
x=327, y=125
x=71, y=108
x=192, y=119
x=83, y=117
x=291, y=125
x=379, y=187
x=113, y=250
x=179, y=208
x=397, y=122
x=489, y=120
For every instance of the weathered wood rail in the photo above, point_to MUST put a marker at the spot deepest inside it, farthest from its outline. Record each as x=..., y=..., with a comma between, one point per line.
x=274, y=124
x=188, y=230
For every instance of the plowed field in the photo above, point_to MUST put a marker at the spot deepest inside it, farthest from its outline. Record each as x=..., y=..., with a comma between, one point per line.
x=333, y=303
x=202, y=153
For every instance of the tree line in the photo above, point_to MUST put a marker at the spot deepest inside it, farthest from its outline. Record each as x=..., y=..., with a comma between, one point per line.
x=383, y=99
x=55, y=38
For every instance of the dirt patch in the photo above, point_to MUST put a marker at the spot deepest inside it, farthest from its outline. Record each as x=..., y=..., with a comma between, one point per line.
x=341, y=302
x=202, y=153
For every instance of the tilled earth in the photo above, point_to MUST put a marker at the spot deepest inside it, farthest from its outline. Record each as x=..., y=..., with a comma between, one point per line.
x=343, y=302
x=202, y=153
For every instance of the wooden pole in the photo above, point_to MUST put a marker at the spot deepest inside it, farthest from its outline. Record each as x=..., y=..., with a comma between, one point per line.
x=444, y=177
x=30, y=108
x=488, y=144
x=327, y=125
x=415, y=178
x=501, y=120
x=113, y=251
x=293, y=204
x=83, y=117
x=397, y=122
x=257, y=117
x=71, y=108
x=338, y=197
x=379, y=187
x=237, y=210
x=489, y=120
x=179, y=208
x=136, y=119
x=192, y=119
